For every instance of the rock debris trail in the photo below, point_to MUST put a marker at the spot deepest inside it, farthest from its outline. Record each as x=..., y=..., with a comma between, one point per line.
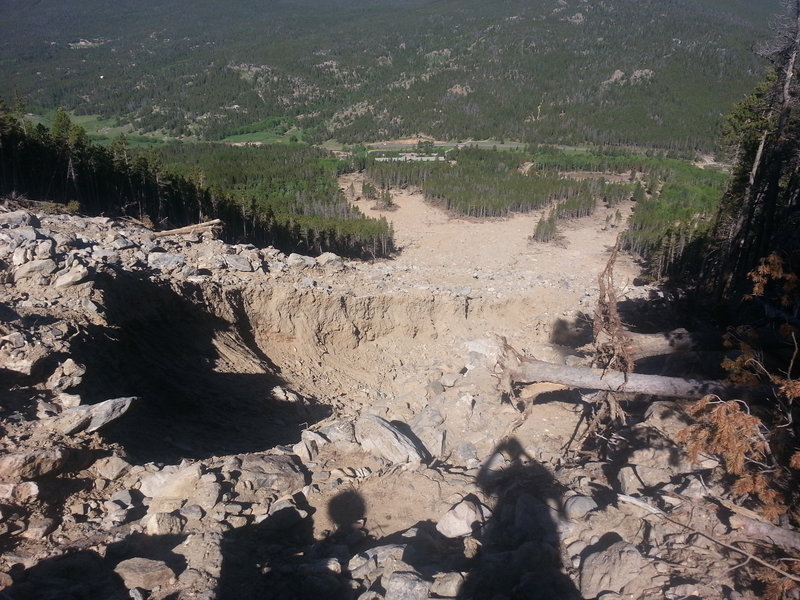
x=187, y=419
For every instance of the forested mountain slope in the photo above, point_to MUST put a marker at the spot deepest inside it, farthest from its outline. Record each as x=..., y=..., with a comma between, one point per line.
x=653, y=72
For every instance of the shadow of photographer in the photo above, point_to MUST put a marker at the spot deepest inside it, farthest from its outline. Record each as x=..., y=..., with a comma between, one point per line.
x=519, y=554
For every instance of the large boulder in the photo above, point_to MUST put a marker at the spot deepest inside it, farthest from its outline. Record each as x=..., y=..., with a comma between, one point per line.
x=378, y=436
x=30, y=465
x=144, y=573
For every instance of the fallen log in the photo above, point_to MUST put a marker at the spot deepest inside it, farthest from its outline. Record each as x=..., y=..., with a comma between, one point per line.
x=206, y=226
x=681, y=341
x=535, y=371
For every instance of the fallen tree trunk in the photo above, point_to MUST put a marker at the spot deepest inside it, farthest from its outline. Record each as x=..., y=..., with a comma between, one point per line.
x=534, y=371
x=680, y=341
x=645, y=345
x=207, y=226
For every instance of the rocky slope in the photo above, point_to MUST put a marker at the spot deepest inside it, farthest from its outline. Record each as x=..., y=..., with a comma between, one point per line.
x=187, y=419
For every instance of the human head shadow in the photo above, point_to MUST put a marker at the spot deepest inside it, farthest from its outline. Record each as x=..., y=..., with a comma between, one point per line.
x=169, y=350
x=347, y=511
x=520, y=554
x=279, y=558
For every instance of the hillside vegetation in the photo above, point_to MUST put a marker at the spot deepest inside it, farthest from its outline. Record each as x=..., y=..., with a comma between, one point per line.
x=652, y=72
x=286, y=195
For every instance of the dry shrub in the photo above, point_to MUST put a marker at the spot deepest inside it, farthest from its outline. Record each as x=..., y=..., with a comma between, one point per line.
x=774, y=278
x=729, y=431
x=724, y=429
x=776, y=586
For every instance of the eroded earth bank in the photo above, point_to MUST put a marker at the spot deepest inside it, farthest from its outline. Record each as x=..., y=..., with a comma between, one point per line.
x=188, y=419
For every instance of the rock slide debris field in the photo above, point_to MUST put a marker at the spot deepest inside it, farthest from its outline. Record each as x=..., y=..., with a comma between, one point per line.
x=187, y=419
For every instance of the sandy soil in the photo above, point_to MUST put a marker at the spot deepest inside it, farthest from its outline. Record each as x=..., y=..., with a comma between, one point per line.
x=496, y=255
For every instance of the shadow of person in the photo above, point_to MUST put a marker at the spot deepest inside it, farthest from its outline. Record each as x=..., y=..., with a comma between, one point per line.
x=347, y=512
x=519, y=555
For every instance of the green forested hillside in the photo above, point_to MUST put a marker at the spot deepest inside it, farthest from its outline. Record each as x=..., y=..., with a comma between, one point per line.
x=281, y=195
x=647, y=72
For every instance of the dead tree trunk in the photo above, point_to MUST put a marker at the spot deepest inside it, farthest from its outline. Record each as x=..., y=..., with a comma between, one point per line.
x=534, y=371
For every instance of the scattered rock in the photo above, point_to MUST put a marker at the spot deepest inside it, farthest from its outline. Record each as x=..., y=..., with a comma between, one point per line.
x=164, y=524
x=75, y=275
x=19, y=218
x=300, y=261
x=447, y=585
x=379, y=436
x=237, y=262
x=31, y=465
x=407, y=585
x=165, y=261
x=145, y=573
x=611, y=569
x=39, y=528
x=91, y=417
x=465, y=518
x=577, y=507
x=35, y=268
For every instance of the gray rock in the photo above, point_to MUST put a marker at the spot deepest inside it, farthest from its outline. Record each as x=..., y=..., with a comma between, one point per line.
x=67, y=375
x=656, y=465
x=144, y=573
x=667, y=417
x=278, y=473
x=123, y=498
x=450, y=379
x=284, y=514
x=104, y=255
x=611, y=569
x=111, y=467
x=35, y=268
x=122, y=243
x=206, y=495
x=300, y=261
x=91, y=417
x=21, y=255
x=30, y=465
x=18, y=218
x=19, y=492
x=75, y=275
x=237, y=262
x=447, y=585
x=339, y=432
x=164, y=524
x=365, y=563
x=407, y=585
x=39, y=527
x=465, y=452
x=463, y=519
x=577, y=507
x=378, y=436
x=307, y=283
x=45, y=248
x=331, y=261
x=192, y=511
x=485, y=352
x=166, y=261
x=170, y=486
